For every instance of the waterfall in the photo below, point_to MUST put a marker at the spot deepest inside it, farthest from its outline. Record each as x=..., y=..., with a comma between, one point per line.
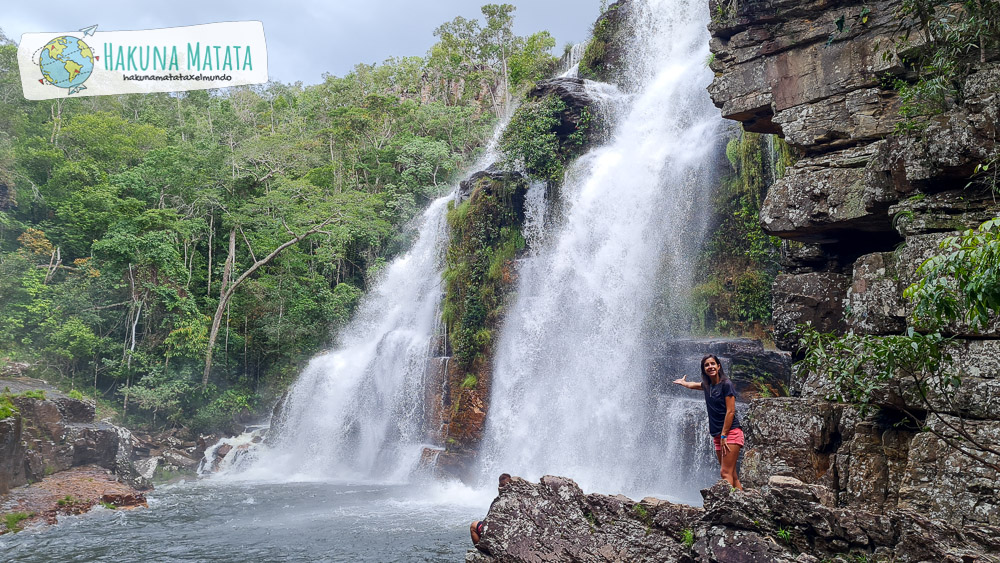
x=573, y=390
x=360, y=411
x=357, y=412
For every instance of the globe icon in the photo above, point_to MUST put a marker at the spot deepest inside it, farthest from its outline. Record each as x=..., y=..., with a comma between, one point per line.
x=66, y=62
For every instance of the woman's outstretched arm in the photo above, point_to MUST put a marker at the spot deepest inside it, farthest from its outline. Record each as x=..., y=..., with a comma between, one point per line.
x=682, y=380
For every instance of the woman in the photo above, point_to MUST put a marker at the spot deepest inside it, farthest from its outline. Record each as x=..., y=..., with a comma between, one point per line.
x=723, y=424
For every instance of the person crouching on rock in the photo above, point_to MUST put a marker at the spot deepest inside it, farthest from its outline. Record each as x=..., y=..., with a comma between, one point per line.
x=723, y=424
x=476, y=528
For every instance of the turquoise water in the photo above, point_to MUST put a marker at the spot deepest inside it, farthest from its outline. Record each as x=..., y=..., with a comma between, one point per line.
x=258, y=522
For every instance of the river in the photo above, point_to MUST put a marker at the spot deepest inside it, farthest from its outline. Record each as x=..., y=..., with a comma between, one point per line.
x=241, y=521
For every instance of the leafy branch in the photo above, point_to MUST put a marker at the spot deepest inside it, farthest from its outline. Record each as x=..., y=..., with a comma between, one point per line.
x=960, y=285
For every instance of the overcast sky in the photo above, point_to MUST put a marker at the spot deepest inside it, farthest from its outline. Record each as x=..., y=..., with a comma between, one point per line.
x=347, y=31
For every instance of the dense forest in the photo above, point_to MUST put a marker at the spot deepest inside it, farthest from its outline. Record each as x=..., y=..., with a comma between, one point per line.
x=179, y=256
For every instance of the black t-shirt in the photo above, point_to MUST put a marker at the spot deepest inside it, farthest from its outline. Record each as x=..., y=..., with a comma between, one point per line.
x=715, y=401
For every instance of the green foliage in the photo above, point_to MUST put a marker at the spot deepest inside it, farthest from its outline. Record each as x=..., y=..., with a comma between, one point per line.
x=687, y=537
x=593, y=63
x=33, y=394
x=485, y=237
x=959, y=285
x=469, y=382
x=953, y=38
x=68, y=499
x=220, y=412
x=112, y=262
x=859, y=365
x=7, y=408
x=108, y=505
x=962, y=283
x=76, y=394
x=532, y=139
x=13, y=520
x=739, y=263
x=784, y=535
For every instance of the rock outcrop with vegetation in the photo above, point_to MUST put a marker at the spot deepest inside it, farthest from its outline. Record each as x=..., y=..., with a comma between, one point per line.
x=785, y=520
x=45, y=432
x=895, y=126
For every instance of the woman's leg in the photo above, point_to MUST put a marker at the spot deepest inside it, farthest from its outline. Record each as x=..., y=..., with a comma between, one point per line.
x=728, y=461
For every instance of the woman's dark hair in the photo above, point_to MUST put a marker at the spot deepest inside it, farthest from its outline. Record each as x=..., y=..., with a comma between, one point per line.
x=722, y=374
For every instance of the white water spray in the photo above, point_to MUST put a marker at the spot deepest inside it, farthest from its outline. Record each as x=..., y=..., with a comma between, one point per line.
x=358, y=412
x=572, y=390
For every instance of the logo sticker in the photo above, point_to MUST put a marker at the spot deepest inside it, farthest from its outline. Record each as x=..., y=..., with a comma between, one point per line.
x=89, y=62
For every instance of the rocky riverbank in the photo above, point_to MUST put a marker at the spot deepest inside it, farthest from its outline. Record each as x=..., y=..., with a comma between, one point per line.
x=74, y=491
x=785, y=520
x=57, y=457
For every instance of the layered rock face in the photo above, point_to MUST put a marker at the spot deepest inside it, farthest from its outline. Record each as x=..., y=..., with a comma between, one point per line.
x=785, y=520
x=861, y=209
x=46, y=436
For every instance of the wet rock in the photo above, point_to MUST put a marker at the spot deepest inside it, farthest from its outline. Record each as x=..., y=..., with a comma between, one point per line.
x=180, y=459
x=146, y=469
x=12, y=451
x=604, y=57
x=126, y=500
x=745, y=360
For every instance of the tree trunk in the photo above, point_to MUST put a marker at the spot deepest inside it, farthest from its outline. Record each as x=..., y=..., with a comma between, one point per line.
x=229, y=288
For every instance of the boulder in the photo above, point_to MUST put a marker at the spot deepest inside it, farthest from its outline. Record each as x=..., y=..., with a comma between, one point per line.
x=93, y=444
x=75, y=410
x=554, y=521
x=745, y=360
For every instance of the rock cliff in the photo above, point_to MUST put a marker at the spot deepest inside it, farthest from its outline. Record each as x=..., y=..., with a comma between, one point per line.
x=47, y=433
x=867, y=201
x=785, y=520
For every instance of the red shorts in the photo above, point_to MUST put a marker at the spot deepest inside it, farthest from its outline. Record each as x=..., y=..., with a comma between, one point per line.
x=734, y=438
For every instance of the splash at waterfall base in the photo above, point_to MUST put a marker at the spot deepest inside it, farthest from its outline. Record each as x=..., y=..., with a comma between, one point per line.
x=784, y=521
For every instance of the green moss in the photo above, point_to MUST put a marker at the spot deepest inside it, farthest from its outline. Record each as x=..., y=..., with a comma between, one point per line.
x=76, y=394
x=739, y=261
x=593, y=63
x=469, y=382
x=33, y=394
x=542, y=137
x=7, y=408
x=485, y=238
x=643, y=514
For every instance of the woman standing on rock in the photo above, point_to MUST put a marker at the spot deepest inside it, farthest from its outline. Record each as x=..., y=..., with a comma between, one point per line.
x=723, y=424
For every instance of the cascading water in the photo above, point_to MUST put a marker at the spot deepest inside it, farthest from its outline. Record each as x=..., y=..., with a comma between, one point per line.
x=573, y=390
x=358, y=412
